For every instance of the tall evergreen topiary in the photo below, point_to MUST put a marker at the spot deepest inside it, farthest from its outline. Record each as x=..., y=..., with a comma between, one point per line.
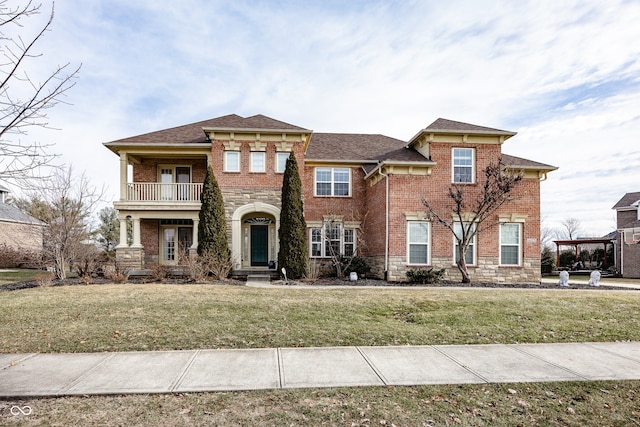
x=293, y=254
x=212, y=228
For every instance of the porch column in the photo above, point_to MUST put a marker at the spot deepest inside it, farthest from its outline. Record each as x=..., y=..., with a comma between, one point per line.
x=194, y=234
x=123, y=234
x=136, y=233
x=124, y=165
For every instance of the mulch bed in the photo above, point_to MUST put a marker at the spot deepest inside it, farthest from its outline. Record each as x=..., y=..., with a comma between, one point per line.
x=320, y=282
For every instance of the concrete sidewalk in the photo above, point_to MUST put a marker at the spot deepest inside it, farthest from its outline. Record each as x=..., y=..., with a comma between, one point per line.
x=36, y=374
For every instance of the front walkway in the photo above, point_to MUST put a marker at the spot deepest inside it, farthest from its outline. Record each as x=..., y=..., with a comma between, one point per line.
x=23, y=375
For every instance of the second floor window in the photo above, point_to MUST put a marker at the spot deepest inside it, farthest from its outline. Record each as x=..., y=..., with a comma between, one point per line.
x=258, y=161
x=333, y=182
x=281, y=161
x=232, y=161
x=463, y=165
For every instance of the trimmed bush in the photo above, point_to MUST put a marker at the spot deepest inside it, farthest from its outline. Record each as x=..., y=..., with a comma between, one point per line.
x=425, y=275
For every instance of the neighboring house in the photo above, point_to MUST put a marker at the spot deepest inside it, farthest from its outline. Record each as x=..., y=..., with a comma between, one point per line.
x=18, y=231
x=628, y=239
x=362, y=193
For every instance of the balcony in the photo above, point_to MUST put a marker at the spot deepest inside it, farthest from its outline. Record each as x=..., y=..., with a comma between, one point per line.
x=158, y=192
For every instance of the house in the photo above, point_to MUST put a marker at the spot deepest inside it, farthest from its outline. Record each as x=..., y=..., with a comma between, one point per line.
x=362, y=193
x=628, y=236
x=19, y=232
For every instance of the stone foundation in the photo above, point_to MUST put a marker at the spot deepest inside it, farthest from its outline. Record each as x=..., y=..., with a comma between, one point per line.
x=128, y=257
x=487, y=270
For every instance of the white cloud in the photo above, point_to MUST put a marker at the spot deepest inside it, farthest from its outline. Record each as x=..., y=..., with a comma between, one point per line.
x=565, y=75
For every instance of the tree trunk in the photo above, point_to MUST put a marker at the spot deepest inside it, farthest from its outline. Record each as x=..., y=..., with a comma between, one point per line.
x=462, y=263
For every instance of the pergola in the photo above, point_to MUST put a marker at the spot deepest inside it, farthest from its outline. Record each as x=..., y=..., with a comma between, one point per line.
x=579, y=242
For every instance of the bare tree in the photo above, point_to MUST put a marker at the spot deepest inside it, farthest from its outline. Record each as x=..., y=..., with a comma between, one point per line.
x=571, y=227
x=24, y=101
x=474, y=213
x=547, y=235
x=353, y=242
x=65, y=206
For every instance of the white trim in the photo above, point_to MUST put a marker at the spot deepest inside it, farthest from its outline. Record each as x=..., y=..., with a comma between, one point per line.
x=236, y=227
x=226, y=161
x=428, y=243
x=520, y=233
x=473, y=165
x=332, y=182
x=264, y=162
x=473, y=244
x=278, y=153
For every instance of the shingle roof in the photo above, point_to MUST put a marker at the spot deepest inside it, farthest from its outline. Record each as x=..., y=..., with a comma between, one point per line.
x=359, y=147
x=518, y=162
x=445, y=125
x=193, y=133
x=627, y=200
x=13, y=214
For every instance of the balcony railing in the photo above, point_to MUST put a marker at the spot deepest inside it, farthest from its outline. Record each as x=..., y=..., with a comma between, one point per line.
x=157, y=192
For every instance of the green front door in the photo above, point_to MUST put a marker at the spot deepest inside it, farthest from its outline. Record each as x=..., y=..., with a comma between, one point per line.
x=259, y=245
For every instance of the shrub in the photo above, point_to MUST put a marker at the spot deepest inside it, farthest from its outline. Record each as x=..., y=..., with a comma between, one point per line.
x=425, y=276
x=44, y=279
x=159, y=272
x=18, y=258
x=548, y=261
x=116, y=273
x=355, y=264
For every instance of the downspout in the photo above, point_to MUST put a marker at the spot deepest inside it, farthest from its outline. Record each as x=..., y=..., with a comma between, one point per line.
x=621, y=252
x=386, y=224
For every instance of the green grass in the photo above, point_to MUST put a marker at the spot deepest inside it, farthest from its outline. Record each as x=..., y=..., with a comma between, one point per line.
x=173, y=317
x=17, y=275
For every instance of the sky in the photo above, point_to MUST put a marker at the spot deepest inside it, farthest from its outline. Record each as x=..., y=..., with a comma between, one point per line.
x=564, y=75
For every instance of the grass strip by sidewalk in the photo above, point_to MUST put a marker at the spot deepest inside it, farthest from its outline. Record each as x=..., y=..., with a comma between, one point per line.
x=171, y=317
x=603, y=403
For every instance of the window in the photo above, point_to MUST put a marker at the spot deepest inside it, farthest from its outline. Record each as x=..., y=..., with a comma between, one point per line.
x=510, y=244
x=463, y=170
x=333, y=181
x=257, y=161
x=470, y=255
x=232, y=161
x=332, y=239
x=281, y=161
x=418, y=242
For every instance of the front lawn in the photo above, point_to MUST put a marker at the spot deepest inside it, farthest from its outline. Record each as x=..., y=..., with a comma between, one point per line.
x=160, y=317
x=17, y=275
x=132, y=317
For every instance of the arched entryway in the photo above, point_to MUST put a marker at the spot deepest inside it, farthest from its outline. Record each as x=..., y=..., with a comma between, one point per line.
x=254, y=235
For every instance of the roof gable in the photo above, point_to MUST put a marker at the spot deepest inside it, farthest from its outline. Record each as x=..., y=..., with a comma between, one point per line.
x=193, y=133
x=450, y=126
x=627, y=201
x=13, y=214
x=520, y=163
